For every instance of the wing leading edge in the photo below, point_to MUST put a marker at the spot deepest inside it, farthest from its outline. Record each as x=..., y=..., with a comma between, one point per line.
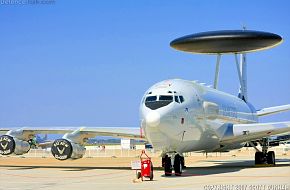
x=119, y=132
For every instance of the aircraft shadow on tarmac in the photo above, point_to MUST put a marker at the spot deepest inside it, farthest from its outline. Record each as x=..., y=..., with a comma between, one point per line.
x=65, y=168
x=227, y=167
x=220, y=167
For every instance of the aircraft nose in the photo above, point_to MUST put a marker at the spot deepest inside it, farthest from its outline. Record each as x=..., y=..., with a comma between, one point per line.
x=152, y=119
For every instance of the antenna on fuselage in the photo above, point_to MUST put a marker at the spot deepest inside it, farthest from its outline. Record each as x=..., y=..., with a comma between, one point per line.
x=237, y=42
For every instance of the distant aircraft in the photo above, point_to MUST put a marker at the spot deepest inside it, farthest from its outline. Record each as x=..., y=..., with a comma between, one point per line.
x=179, y=116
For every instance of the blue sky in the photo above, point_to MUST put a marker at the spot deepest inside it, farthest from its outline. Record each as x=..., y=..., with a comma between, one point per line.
x=89, y=62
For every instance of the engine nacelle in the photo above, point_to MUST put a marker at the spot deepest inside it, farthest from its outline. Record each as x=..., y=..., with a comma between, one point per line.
x=63, y=149
x=10, y=145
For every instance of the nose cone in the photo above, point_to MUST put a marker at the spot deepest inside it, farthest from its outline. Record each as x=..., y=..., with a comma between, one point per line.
x=152, y=119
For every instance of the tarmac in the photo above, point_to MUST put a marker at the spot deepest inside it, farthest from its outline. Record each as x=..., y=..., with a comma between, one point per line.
x=216, y=172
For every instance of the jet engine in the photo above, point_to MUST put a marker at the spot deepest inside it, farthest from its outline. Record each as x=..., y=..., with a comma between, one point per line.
x=9, y=145
x=63, y=149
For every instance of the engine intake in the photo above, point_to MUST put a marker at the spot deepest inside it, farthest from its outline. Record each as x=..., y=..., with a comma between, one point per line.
x=9, y=145
x=63, y=149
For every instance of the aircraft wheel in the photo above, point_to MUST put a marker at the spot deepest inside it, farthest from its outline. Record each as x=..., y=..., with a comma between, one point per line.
x=258, y=158
x=271, y=157
x=178, y=165
x=167, y=166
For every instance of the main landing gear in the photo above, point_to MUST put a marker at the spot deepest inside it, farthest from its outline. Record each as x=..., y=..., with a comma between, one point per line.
x=173, y=161
x=264, y=156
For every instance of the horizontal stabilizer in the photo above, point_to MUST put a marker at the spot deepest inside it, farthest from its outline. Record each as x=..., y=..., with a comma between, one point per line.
x=273, y=110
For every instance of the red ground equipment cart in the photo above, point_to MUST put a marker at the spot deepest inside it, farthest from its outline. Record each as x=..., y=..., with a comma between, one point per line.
x=146, y=167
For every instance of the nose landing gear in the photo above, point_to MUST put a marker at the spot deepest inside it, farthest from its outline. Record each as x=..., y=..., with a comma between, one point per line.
x=173, y=161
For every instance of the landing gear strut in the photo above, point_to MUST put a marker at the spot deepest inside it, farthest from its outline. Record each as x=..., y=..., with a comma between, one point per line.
x=173, y=161
x=265, y=157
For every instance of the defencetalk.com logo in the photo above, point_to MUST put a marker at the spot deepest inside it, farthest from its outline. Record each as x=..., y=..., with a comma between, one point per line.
x=27, y=2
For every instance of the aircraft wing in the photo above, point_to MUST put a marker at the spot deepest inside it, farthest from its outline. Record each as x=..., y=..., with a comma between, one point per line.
x=131, y=133
x=70, y=146
x=273, y=110
x=42, y=130
x=120, y=132
x=239, y=133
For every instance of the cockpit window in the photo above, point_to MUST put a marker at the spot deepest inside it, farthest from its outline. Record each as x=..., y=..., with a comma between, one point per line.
x=151, y=99
x=152, y=102
x=181, y=99
x=165, y=98
x=176, y=99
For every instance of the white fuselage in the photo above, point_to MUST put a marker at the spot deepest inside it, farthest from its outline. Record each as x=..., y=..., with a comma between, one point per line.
x=182, y=116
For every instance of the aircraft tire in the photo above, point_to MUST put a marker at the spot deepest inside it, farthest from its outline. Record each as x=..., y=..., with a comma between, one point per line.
x=271, y=157
x=167, y=166
x=258, y=158
x=178, y=165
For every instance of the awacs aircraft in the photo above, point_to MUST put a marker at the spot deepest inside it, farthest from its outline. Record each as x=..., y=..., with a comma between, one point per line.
x=179, y=116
